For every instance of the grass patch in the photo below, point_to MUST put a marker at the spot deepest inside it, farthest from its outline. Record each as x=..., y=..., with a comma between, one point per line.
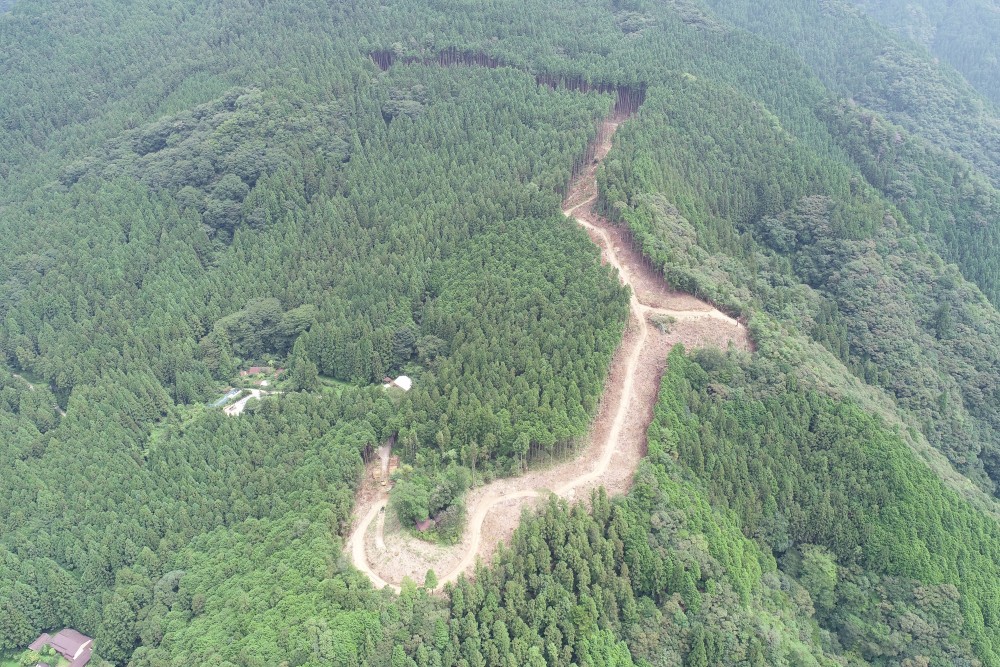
x=329, y=384
x=40, y=383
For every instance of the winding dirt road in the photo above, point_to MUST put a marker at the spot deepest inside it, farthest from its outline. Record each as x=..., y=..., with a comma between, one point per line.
x=618, y=435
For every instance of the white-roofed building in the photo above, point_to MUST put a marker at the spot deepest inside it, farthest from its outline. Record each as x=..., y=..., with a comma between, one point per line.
x=402, y=382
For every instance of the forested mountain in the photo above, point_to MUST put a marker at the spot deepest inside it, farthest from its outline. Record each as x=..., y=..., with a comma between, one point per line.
x=360, y=190
x=963, y=34
x=862, y=61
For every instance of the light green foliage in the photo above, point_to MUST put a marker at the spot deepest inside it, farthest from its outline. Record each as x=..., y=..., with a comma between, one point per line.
x=410, y=500
x=417, y=497
x=603, y=649
x=309, y=622
x=657, y=578
x=818, y=574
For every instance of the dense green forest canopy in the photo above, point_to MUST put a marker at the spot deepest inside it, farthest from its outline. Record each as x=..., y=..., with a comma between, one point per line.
x=759, y=221
x=862, y=61
x=882, y=547
x=963, y=34
x=190, y=190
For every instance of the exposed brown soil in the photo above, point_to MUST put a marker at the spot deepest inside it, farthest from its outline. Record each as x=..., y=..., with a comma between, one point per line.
x=617, y=439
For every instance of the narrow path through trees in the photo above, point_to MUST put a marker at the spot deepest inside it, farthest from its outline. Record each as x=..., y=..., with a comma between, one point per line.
x=618, y=435
x=31, y=387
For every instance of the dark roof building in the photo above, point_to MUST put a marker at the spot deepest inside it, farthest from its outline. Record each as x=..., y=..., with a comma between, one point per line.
x=70, y=644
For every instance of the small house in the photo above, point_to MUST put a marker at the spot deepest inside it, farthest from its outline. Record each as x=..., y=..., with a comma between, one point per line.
x=425, y=525
x=70, y=644
x=402, y=382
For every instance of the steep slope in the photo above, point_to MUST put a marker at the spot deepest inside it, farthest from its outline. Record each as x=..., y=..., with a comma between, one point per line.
x=756, y=220
x=859, y=59
x=883, y=548
x=963, y=34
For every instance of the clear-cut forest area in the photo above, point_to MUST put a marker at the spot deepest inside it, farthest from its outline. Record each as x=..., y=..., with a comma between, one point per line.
x=420, y=333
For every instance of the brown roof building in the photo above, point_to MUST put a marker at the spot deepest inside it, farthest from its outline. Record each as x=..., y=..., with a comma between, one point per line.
x=68, y=643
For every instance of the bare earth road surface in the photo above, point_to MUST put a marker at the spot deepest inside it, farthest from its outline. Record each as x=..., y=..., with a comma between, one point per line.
x=617, y=442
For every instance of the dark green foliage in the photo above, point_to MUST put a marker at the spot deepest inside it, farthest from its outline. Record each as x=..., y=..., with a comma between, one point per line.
x=303, y=370
x=657, y=579
x=880, y=543
x=211, y=158
x=941, y=195
x=499, y=315
x=754, y=218
x=124, y=299
x=187, y=190
x=261, y=327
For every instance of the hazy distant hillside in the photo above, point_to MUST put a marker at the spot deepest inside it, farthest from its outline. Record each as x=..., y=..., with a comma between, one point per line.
x=859, y=59
x=963, y=34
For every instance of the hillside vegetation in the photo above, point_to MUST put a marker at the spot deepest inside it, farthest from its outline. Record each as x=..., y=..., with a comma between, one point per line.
x=330, y=188
x=963, y=34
